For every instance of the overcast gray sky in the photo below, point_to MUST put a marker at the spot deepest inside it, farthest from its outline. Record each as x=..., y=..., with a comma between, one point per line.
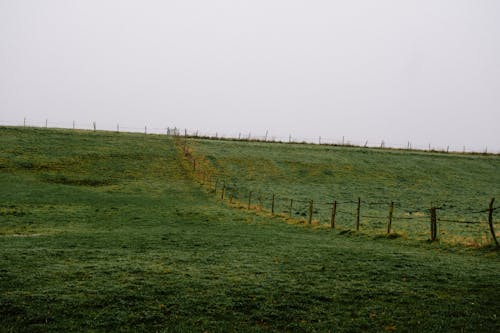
x=425, y=71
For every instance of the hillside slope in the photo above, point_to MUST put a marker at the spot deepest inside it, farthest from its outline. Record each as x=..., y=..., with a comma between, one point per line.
x=106, y=232
x=460, y=185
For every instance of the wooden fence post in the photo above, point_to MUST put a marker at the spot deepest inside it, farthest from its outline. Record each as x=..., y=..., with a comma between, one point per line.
x=311, y=207
x=291, y=207
x=272, y=205
x=490, y=222
x=334, y=211
x=216, y=185
x=185, y=141
x=231, y=197
x=194, y=164
x=249, y=199
x=358, y=214
x=433, y=224
x=223, y=191
x=389, y=222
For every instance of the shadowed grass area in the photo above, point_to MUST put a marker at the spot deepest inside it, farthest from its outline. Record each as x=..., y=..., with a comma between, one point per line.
x=148, y=250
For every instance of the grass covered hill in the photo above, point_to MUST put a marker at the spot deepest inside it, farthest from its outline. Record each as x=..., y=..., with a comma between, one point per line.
x=108, y=232
x=460, y=185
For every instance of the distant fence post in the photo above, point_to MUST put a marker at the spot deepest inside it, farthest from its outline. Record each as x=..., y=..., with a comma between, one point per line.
x=433, y=224
x=358, y=214
x=389, y=222
x=95, y=125
x=272, y=205
x=231, y=196
x=194, y=164
x=185, y=141
x=291, y=207
x=311, y=207
x=334, y=212
x=249, y=199
x=490, y=222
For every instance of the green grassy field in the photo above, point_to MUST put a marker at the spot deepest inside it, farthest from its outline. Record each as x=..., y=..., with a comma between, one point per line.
x=462, y=185
x=107, y=232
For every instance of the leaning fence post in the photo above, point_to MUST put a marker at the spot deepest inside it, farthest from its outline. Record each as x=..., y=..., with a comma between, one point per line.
x=490, y=222
x=249, y=199
x=389, y=222
x=358, y=214
x=272, y=205
x=433, y=224
x=311, y=203
x=334, y=211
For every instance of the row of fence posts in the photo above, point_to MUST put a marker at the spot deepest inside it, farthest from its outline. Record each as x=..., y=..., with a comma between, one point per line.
x=432, y=210
x=432, y=213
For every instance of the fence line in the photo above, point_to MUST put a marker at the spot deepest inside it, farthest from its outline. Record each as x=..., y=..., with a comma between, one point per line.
x=117, y=127
x=311, y=212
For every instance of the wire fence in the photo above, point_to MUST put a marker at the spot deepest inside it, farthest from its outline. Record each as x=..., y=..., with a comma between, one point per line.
x=240, y=136
x=452, y=222
x=370, y=216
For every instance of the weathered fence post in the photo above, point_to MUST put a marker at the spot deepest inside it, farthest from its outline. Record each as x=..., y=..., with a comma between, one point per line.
x=216, y=185
x=334, y=212
x=291, y=207
x=249, y=199
x=490, y=222
x=272, y=205
x=433, y=224
x=185, y=141
x=311, y=207
x=358, y=214
x=194, y=164
x=389, y=222
x=95, y=125
x=223, y=191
